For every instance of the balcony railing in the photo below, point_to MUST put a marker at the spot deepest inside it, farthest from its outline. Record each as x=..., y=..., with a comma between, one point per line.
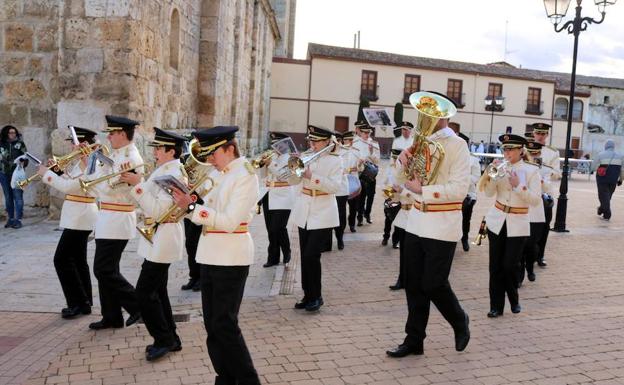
x=460, y=101
x=533, y=108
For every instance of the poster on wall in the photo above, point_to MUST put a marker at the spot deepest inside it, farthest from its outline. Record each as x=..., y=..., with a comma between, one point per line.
x=379, y=118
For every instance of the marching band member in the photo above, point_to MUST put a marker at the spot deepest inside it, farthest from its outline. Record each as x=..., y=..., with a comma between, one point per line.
x=276, y=205
x=508, y=221
x=432, y=231
x=341, y=196
x=316, y=213
x=471, y=198
x=350, y=161
x=537, y=218
x=406, y=202
x=550, y=158
x=115, y=225
x=399, y=144
x=78, y=217
x=369, y=157
x=391, y=207
x=225, y=215
x=166, y=244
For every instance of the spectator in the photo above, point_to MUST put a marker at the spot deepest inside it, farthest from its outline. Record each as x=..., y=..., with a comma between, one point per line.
x=481, y=148
x=608, y=167
x=11, y=147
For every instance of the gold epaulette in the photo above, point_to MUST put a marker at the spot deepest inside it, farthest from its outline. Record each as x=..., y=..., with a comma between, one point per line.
x=249, y=168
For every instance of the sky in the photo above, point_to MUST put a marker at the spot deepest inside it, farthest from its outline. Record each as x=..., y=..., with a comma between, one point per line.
x=466, y=30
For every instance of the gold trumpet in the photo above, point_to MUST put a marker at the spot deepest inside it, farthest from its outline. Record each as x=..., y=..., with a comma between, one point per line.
x=87, y=185
x=263, y=159
x=174, y=213
x=62, y=163
x=482, y=234
x=388, y=192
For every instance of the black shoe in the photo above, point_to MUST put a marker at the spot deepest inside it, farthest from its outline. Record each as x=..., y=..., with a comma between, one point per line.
x=302, y=304
x=384, y=241
x=314, y=305
x=70, y=312
x=516, y=308
x=531, y=277
x=395, y=245
x=465, y=245
x=368, y=220
x=494, y=313
x=598, y=211
x=177, y=345
x=10, y=223
x=404, y=350
x=352, y=228
x=155, y=353
x=189, y=285
x=270, y=264
x=340, y=244
x=134, y=318
x=359, y=223
x=99, y=325
x=541, y=263
x=18, y=224
x=462, y=337
x=196, y=286
x=287, y=258
x=397, y=286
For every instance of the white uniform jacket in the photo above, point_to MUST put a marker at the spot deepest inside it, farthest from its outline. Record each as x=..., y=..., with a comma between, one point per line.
x=402, y=143
x=116, y=218
x=475, y=175
x=281, y=194
x=449, y=190
x=366, y=152
x=550, y=157
x=316, y=206
x=407, y=205
x=79, y=210
x=527, y=193
x=168, y=242
x=536, y=212
x=225, y=215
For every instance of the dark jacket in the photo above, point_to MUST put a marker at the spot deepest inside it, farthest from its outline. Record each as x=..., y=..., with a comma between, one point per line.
x=9, y=151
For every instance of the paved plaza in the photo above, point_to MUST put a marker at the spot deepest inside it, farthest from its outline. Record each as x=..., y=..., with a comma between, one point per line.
x=570, y=330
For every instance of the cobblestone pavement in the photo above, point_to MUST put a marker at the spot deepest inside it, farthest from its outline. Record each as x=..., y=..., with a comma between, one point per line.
x=569, y=331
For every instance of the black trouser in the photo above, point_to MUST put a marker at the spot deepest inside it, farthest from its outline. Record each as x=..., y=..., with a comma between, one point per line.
x=353, y=208
x=427, y=267
x=70, y=262
x=151, y=292
x=115, y=291
x=541, y=244
x=276, y=222
x=530, y=251
x=366, y=197
x=342, y=216
x=222, y=290
x=467, y=206
x=398, y=236
x=311, y=244
x=505, y=255
x=605, y=192
x=390, y=214
x=192, y=233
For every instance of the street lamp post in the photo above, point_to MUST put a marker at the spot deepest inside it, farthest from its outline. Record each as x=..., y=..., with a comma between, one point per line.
x=556, y=11
x=493, y=103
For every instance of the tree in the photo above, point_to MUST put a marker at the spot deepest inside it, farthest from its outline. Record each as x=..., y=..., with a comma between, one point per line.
x=398, y=117
x=364, y=103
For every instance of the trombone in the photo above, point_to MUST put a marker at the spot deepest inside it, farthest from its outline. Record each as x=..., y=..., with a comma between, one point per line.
x=297, y=164
x=62, y=163
x=87, y=185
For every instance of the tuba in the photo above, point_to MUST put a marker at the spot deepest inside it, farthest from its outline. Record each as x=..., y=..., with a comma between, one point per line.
x=66, y=162
x=427, y=155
